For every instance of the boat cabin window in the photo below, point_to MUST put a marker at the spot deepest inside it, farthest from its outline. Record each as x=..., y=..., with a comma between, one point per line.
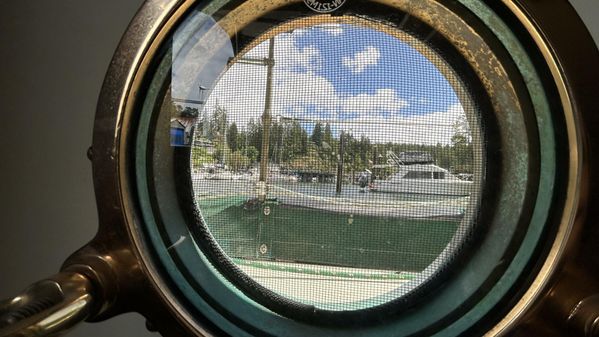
x=419, y=175
x=438, y=175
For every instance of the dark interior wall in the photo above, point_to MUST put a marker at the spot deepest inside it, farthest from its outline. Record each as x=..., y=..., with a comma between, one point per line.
x=53, y=57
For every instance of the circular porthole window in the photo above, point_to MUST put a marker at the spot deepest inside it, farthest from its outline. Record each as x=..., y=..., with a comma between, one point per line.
x=318, y=183
x=385, y=169
x=335, y=168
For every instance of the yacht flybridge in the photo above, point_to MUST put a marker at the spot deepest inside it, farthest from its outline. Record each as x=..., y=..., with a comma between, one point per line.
x=417, y=174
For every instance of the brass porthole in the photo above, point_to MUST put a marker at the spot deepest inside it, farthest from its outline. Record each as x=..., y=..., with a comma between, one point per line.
x=286, y=227
x=340, y=168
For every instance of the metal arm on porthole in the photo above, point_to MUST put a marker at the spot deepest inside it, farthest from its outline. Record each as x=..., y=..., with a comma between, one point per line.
x=48, y=307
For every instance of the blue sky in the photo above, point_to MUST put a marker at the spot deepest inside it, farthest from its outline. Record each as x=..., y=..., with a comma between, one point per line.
x=359, y=79
x=399, y=66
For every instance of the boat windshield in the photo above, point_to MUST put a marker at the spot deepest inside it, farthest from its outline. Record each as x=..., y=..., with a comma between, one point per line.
x=419, y=175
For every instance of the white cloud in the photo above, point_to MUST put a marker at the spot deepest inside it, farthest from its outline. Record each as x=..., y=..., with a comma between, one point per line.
x=361, y=60
x=431, y=128
x=287, y=55
x=242, y=88
x=334, y=29
x=298, y=91
x=383, y=100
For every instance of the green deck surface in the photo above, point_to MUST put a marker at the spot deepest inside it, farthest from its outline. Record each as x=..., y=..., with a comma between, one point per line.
x=321, y=237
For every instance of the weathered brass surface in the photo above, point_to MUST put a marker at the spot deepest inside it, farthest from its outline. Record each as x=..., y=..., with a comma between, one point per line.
x=569, y=275
x=579, y=170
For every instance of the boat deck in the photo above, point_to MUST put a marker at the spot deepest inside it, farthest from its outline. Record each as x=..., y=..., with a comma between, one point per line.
x=328, y=286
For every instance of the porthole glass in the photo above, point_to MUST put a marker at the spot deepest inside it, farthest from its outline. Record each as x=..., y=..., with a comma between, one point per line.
x=357, y=119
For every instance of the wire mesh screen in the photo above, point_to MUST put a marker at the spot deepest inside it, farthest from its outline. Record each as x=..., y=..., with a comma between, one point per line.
x=335, y=163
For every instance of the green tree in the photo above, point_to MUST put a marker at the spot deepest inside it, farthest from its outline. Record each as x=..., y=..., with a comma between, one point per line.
x=462, y=154
x=189, y=112
x=232, y=137
x=220, y=152
x=276, y=141
x=252, y=153
x=328, y=135
x=317, y=134
x=237, y=161
x=254, y=134
x=311, y=161
x=218, y=125
x=304, y=143
x=200, y=157
x=462, y=146
x=296, y=141
x=365, y=150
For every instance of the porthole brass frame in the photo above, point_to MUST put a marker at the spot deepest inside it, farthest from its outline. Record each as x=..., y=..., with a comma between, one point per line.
x=115, y=265
x=134, y=81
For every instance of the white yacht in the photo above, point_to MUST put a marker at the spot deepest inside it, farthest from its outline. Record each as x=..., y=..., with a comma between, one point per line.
x=417, y=174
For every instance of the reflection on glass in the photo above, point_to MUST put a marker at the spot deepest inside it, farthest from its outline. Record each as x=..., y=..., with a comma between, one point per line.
x=200, y=51
x=333, y=163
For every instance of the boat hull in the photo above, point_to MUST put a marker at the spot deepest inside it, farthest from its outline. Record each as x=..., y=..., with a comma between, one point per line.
x=423, y=186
